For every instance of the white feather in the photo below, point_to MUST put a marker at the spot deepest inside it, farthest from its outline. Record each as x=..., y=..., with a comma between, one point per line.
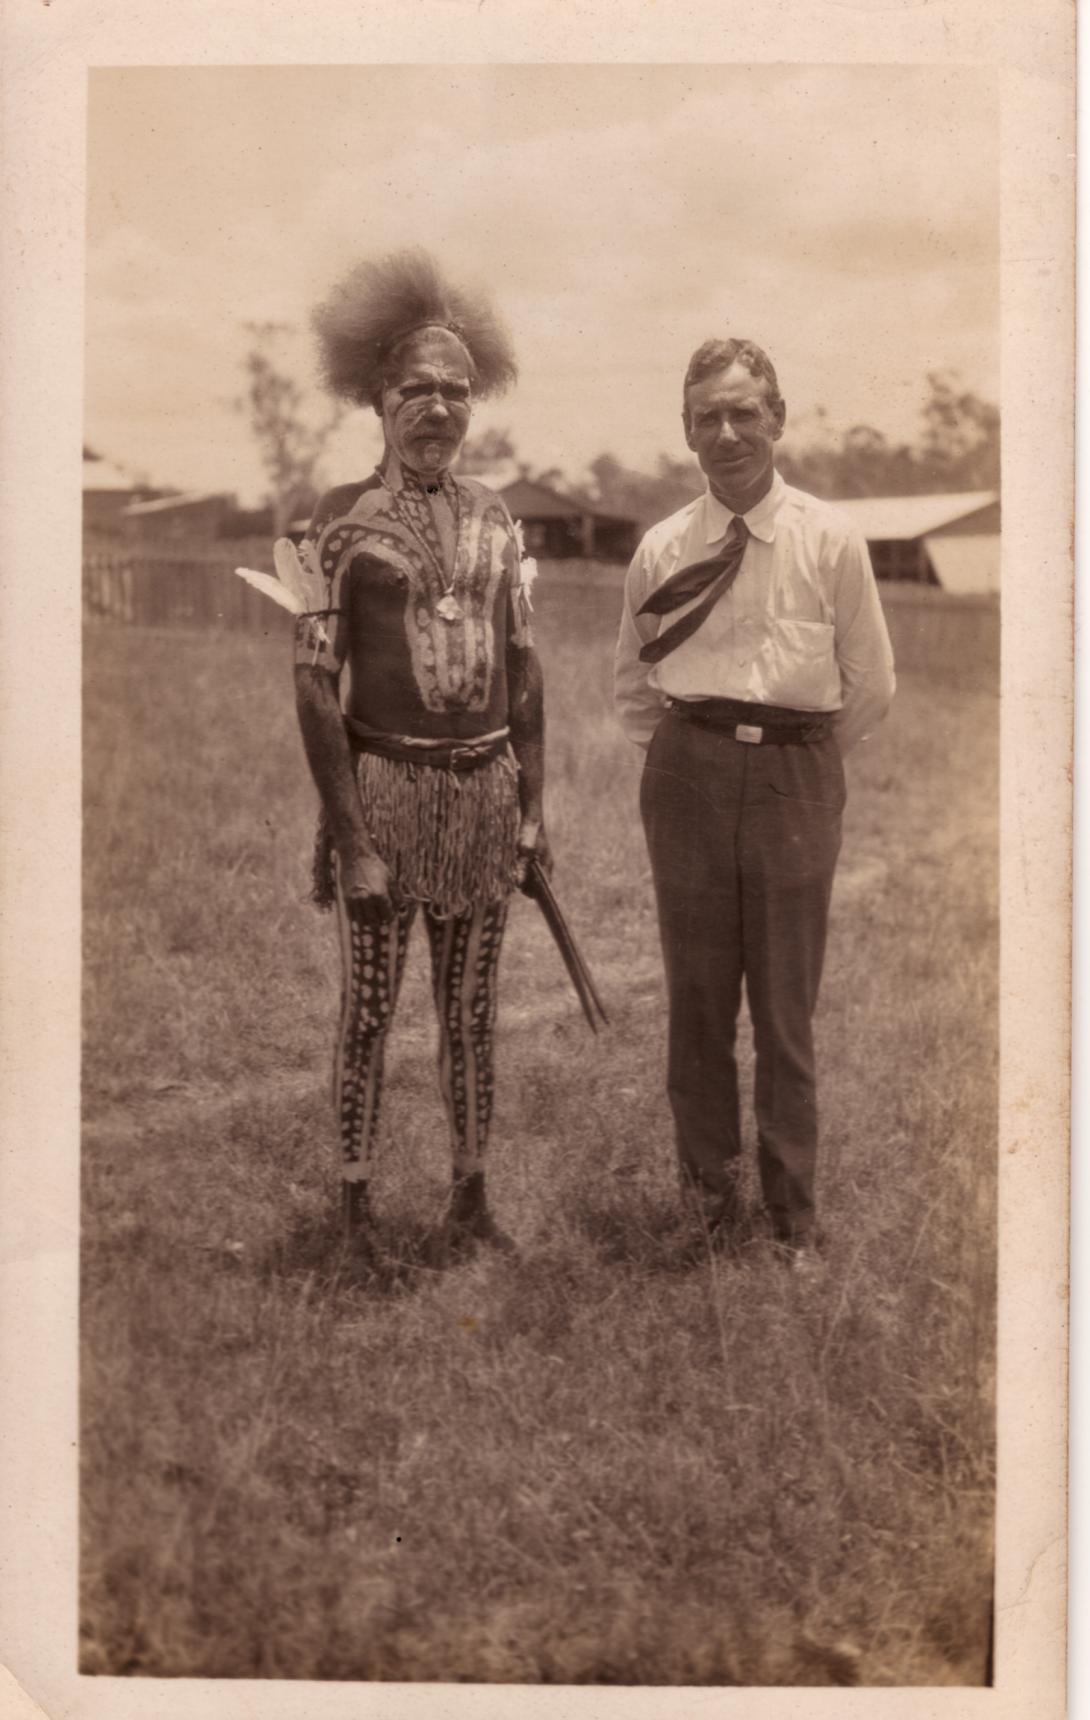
x=301, y=572
x=273, y=588
x=300, y=588
x=527, y=568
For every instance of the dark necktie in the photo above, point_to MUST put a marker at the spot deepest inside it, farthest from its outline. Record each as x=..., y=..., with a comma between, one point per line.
x=714, y=576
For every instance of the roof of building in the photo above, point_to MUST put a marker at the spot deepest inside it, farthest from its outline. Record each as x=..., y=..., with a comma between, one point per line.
x=100, y=474
x=525, y=496
x=908, y=517
x=163, y=504
x=967, y=564
x=527, y=499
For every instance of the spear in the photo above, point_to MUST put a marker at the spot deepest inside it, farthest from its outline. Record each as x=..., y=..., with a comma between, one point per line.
x=537, y=887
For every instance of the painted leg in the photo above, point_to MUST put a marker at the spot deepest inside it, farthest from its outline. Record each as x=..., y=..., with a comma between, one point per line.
x=465, y=952
x=372, y=963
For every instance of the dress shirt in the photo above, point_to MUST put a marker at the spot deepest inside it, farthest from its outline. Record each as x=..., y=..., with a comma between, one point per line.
x=801, y=626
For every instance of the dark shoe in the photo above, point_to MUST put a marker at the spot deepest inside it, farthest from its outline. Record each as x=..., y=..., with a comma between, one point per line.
x=712, y=1217
x=803, y=1261
x=360, y=1234
x=469, y=1221
x=807, y=1266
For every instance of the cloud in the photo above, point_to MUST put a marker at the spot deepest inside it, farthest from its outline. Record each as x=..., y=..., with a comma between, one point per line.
x=847, y=217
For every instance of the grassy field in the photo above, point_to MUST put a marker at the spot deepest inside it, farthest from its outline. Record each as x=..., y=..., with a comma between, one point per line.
x=600, y=1462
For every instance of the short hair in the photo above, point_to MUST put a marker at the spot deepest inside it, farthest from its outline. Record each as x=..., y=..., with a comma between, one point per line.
x=369, y=315
x=716, y=355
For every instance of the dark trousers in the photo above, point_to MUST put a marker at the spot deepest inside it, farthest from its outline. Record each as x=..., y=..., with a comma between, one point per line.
x=743, y=842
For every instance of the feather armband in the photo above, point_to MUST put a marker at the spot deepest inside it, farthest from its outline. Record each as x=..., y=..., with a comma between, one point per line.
x=527, y=574
x=300, y=587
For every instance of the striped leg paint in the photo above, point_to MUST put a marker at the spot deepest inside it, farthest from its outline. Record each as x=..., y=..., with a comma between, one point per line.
x=372, y=963
x=465, y=950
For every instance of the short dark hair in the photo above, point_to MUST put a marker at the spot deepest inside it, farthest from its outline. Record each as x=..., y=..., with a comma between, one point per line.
x=715, y=355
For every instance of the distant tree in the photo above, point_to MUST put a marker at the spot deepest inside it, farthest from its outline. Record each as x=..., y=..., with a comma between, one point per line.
x=644, y=496
x=683, y=474
x=960, y=443
x=484, y=452
x=291, y=441
x=609, y=477
x=864, y=450
x=957, y=449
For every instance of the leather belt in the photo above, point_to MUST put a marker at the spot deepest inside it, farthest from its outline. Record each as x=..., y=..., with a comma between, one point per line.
x=755, y=725
x=456, y=755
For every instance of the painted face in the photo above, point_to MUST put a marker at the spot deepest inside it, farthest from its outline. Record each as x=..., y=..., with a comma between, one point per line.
x=425, y=410
x=732, y=429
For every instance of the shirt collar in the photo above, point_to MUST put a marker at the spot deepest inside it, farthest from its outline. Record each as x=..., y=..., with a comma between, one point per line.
x=760, y=520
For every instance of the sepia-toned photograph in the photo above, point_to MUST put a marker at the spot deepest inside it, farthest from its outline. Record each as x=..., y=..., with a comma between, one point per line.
x=540, y=591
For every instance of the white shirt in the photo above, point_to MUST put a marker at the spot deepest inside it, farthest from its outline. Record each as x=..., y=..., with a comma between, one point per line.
x=801, y=626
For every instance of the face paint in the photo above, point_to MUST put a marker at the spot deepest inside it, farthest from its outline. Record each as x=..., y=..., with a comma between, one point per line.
x=426, y=408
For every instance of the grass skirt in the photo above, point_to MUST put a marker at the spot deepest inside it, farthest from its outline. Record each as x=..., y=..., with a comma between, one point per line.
x=448, y=837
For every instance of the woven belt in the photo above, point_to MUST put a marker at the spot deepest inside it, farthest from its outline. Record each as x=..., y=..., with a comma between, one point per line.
x=756, y=725
x=433, y=754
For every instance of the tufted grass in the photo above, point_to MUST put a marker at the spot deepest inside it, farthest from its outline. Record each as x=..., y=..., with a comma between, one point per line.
x=604, y=1462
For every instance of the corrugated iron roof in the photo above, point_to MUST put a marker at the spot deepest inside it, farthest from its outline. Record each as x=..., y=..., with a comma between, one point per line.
x=908, y=517
x=539, y=500
x=99, y=474
x=163, y=503
x=527, y=499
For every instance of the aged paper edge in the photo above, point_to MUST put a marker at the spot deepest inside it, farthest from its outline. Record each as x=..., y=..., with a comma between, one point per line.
x=48, y=49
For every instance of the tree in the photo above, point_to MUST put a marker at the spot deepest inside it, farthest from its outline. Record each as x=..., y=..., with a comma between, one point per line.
x=485, y=452
x=290, y=441
x=644, y=496
x=960, y=443
x=957, y=449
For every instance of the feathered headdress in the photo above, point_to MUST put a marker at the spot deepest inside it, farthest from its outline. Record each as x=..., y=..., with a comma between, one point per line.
x=380, y=302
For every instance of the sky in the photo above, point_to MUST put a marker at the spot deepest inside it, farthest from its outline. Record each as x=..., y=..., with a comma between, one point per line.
x=846, y=218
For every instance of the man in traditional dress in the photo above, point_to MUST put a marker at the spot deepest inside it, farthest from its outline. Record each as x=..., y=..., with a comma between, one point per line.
x=752, y=655
x=419, y=697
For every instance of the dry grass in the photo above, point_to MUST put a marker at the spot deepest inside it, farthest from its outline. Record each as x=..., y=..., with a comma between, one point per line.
x=600, y=1463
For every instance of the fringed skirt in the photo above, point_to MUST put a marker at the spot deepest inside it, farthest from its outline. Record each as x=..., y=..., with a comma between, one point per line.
x=448, y=837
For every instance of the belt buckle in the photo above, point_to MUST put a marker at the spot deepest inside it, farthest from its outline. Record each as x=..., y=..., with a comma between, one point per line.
x=746, y=732
x=457, y=754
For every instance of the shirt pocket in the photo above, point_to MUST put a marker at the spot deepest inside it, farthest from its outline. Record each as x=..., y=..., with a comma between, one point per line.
x=803, y=664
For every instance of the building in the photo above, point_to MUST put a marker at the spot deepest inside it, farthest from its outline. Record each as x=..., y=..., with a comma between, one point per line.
x=200, y=514
x=107, y=491
x=557, y=526
x=950, y=541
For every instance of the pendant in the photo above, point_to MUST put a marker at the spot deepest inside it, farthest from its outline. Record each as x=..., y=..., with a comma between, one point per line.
x=449, y=608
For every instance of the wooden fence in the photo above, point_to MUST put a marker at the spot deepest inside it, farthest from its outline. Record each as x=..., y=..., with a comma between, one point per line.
x=954, y=639
x=164, y=588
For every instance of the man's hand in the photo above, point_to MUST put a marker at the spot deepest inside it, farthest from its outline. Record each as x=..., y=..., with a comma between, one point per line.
x=368, y=895
x=532, y=842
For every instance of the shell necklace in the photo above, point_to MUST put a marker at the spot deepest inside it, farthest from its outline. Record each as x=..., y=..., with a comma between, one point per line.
x=448, y=607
